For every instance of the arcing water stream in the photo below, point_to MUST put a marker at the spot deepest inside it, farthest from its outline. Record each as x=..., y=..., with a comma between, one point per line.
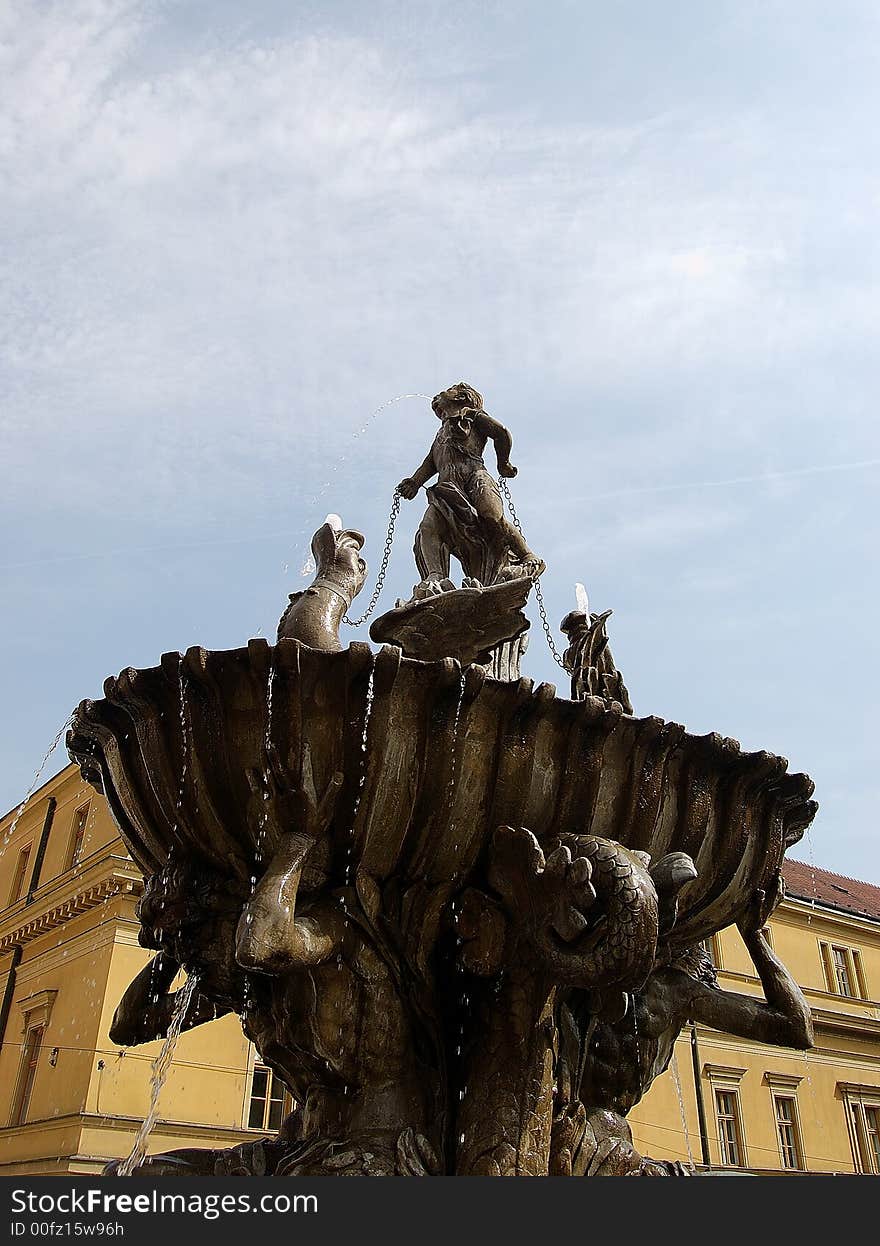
x=158, y=1074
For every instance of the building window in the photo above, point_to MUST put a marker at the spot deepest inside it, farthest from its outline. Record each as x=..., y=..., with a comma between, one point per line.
x=711, y=948
x=864, y=1121
x=872, y=1129
x=19, y=875
x=842, y=971
x=788, y=1131
x=269, y=1100
x=844, y=974
x=27, y=1073
x=729, y=1128
x=80, y=818
x=725, y=1082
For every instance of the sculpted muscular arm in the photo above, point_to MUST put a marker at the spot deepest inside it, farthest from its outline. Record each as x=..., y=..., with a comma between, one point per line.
x=502, y=440
x=272, y=935
x=410, y=485
x=783, y=1017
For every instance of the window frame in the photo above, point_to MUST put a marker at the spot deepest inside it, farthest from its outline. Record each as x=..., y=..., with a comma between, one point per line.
x=726, y=1081
x=273, y=1082
x=78, y=834
x=711, y=945
x=843, y=975
x=864, y=1139
x=27, y=1072
x=729, y=1146
x=19, y=878
x=794, y=1124
x=851, y=965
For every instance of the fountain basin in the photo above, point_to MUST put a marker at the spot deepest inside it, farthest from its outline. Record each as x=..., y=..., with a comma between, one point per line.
x=433, y=760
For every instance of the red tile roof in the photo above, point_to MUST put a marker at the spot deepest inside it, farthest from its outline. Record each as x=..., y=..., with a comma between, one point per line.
x=808, y=882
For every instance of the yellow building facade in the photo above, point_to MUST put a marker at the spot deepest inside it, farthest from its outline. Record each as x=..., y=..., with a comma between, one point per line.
x=771, y=1109
x=70, y=1100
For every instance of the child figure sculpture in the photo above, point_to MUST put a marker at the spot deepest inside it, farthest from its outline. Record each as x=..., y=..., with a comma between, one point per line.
x=465, y=515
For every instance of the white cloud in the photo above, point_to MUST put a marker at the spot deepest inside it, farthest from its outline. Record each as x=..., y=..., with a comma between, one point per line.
x=221, y=251
x=207, y=237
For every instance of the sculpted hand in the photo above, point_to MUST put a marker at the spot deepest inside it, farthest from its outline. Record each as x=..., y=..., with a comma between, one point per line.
x=408, y=488
x=761, y=908
x=549, y=895
x=507, y=469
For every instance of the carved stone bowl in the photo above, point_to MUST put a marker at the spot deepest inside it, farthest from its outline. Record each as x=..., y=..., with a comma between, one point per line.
x=439, y=759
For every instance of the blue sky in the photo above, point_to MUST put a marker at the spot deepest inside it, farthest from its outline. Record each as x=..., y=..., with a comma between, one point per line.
x=647, y=233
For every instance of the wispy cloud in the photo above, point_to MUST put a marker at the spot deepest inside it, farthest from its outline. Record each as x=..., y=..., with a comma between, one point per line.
x=203, y=253
x=229, y=233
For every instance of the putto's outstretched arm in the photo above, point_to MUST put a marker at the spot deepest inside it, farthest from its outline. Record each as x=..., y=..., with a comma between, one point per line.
x=783, y=1020
x=503, y=441
x=410, y=485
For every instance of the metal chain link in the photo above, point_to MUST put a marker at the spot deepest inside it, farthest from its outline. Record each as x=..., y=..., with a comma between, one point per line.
x=380, y=578
x=539, y=596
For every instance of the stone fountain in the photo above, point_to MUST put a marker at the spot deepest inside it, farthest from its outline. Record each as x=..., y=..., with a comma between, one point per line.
x=459, y=915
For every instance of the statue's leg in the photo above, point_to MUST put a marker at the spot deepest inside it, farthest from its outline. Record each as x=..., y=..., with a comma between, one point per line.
x=432, y=548
x=502, y=535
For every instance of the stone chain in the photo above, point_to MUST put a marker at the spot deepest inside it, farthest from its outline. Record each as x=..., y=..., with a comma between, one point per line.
x=539, y=596
x=380, y=578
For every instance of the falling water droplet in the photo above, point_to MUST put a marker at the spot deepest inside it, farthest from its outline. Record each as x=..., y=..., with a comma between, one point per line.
x=42, y=766
x=687, y=1137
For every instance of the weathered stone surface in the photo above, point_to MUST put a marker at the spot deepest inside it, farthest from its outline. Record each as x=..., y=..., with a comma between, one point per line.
x=459, y=916
x=589, y=662
x=368, y=794
x=466, y=624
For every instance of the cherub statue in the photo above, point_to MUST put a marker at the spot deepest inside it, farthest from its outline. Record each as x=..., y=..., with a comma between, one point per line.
x=607, y=1066
x=465, y=514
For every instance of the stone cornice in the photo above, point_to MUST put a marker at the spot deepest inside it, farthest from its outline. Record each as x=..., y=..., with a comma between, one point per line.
x=102, y=1120
x=66, y=897
x=796, y=908
x=847, y=1023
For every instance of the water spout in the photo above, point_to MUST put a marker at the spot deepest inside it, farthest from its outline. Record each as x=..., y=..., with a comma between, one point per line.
x=158, y=1075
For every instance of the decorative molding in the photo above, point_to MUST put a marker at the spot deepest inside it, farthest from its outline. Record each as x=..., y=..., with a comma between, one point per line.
x=88, y=897
x=847, y=1023
x=724, y=1073
x=858, y=1090
x=782, y=1081
x=226, y=1134
x=37, y=1008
